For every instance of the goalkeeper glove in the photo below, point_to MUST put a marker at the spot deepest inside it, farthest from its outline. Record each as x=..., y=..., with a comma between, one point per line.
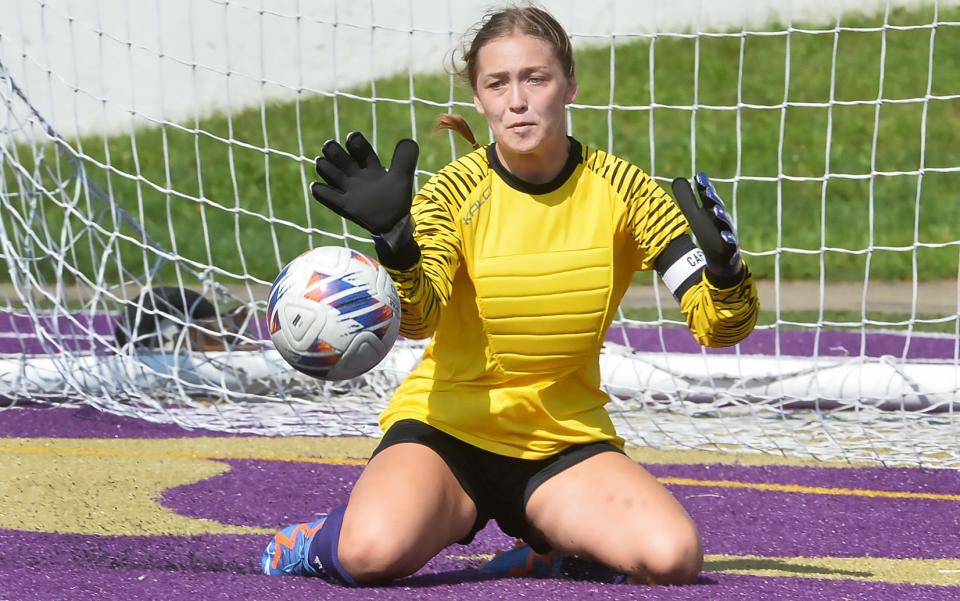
x=713, y=229
x=358, y=188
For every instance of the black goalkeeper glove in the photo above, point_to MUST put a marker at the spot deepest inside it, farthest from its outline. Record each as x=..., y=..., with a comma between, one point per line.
x=713, y=229
x=358, y=188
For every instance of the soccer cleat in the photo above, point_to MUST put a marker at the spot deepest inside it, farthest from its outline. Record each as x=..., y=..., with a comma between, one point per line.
x=287, y=552
x=522, y=561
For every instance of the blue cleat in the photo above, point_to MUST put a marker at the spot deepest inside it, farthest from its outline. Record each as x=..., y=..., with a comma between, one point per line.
x=523, y=562
x=287, y=552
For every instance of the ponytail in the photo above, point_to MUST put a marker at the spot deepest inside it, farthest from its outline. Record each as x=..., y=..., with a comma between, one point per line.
x=456, y=123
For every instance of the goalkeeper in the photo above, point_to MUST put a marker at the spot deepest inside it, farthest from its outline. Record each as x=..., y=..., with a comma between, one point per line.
x=514, y=259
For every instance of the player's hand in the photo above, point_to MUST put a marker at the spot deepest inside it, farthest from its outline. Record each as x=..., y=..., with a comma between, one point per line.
x=712, y=227
x=358, y=188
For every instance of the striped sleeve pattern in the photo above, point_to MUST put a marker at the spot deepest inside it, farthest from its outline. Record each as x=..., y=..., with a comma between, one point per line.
x=424, y=289
x=716, y=317
x=652, y=217
x=721, y=316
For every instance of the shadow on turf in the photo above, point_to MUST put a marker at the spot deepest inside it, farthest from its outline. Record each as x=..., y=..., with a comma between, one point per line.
x=472, y=575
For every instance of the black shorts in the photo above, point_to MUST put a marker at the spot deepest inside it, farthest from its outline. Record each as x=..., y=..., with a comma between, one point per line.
x=500, y=486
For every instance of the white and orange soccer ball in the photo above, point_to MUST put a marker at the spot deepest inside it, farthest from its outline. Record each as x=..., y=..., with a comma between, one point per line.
x=333, y=313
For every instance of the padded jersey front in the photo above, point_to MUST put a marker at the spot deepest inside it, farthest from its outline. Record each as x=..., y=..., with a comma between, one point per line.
x=517, y=284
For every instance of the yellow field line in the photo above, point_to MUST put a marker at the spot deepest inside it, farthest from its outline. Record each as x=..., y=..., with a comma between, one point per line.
x=152, y=454
x=733, y=484
x=811, y=490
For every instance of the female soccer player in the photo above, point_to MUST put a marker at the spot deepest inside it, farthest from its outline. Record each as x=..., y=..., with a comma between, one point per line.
x=514, y=258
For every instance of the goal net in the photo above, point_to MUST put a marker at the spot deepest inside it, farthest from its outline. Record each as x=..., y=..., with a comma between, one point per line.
x=155, y=160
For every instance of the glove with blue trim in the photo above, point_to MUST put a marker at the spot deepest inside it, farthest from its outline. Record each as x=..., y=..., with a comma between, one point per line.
x=713, y=229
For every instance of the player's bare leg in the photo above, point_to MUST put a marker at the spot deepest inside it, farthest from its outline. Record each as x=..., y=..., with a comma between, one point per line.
x=611, y=510
x=405, y=508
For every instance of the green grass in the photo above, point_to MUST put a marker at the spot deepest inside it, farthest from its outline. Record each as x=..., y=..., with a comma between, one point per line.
x=243, y=188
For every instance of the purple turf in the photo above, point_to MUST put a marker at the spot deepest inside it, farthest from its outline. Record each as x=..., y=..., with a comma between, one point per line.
x=748, y=522
x=56, y=567
x=730, y=519
x=248, y=494
x=50, y=566
x=39, y=421
x=83, y=332
x=890, y=479
x=794, y=343
x=828, y=525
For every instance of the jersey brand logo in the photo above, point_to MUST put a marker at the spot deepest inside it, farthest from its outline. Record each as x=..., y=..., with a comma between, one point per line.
x=475, y=207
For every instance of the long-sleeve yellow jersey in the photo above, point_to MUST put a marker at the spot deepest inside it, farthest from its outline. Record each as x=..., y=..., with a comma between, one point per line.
x=518, y=283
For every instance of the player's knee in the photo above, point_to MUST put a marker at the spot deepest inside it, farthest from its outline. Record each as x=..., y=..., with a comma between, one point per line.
x=369, y=552
x=364, y=557
x=672, y=559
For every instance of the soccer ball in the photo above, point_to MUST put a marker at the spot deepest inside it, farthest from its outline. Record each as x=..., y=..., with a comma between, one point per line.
x=333, y=313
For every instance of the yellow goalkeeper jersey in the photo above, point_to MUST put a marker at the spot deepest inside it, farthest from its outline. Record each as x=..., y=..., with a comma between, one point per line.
x=518, y=283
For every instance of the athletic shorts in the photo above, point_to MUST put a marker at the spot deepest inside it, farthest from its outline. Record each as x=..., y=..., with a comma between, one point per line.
x=500, y=486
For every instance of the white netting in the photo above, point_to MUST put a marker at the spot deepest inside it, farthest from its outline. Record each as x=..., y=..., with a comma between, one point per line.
x=171, y=144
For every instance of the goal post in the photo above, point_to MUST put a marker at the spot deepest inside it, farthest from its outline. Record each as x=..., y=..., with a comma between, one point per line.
x=155, y=162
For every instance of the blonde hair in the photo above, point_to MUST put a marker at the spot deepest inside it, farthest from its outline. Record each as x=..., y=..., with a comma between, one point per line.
x=529, y=20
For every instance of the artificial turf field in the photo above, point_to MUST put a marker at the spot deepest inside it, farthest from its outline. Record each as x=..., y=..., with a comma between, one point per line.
x=94, y=506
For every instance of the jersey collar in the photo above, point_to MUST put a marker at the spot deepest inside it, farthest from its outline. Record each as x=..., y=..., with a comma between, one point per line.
x=573, y=159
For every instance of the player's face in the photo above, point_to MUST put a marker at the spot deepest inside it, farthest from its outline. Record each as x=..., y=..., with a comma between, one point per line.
x=522, y=90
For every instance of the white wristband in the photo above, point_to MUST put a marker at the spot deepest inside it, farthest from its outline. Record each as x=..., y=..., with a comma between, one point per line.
x=683, y=268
